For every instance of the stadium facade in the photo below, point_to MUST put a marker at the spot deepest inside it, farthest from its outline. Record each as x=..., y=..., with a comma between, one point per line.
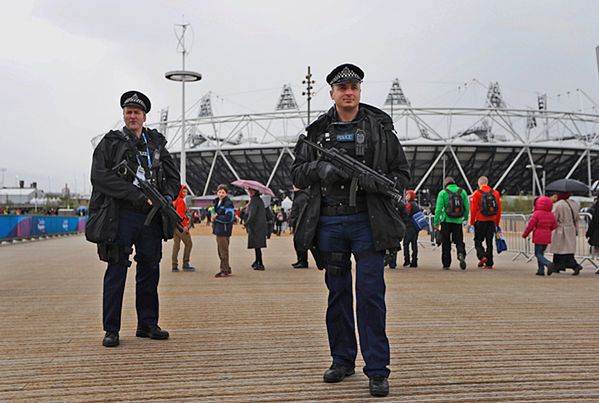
x=518, y=149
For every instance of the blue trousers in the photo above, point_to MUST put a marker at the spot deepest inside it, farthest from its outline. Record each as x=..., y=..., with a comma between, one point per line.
x=148, y=252
x=542, y=261
x=352, y=234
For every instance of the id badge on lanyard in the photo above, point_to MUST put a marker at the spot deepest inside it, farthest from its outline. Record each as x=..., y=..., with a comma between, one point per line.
x=141, y=172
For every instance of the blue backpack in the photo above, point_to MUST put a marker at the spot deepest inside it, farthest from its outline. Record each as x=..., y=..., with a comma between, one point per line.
x=420, y=220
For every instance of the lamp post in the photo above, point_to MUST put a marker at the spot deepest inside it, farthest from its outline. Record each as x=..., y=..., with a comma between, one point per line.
x=183, y=76
x=533, y=178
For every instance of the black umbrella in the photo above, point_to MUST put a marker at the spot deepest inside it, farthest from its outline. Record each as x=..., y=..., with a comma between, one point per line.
x=567, y=185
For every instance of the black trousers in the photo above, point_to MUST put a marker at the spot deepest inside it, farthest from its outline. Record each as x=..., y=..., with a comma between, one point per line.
x=302, y=255
x=148, y=252
x=564, y=261
x=410, y=241
x=484, y=231
x=451, y=232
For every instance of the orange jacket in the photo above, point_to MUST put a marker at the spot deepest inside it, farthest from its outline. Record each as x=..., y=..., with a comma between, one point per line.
x=181, y=208
x=475, y=204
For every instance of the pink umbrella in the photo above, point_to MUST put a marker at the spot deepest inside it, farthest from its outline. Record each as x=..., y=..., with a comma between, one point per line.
x=250, y=184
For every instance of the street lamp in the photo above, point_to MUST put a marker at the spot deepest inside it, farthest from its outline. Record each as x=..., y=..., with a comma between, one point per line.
x=533, y=178
x=183, y=76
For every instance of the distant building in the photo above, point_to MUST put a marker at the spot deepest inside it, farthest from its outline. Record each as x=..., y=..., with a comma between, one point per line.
x=20, y=197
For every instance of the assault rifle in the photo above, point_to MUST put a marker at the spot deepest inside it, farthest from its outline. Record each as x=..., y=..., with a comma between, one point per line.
x=159, y=202
x=354, y=169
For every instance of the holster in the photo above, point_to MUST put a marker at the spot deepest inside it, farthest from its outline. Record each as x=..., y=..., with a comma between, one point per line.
x=336, y=263
x=113, y=253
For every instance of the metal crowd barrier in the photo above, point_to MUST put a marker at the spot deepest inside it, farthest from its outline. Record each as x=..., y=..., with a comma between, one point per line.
x=512, y=227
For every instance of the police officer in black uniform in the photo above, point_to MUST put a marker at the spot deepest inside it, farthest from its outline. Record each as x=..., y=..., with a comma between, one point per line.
x=335, y=225
x=118, y=209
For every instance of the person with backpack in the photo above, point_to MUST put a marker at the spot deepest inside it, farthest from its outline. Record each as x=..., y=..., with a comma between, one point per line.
x=451, y=210
x=413, y=227
x=223, y=218
x=485, y=214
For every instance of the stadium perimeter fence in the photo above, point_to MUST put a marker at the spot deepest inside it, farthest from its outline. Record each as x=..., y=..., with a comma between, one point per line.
x=21, y=227
x=512, y=227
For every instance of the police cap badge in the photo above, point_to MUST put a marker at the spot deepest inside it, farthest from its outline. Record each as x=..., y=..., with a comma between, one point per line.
x=345, y=73
x=137, y=99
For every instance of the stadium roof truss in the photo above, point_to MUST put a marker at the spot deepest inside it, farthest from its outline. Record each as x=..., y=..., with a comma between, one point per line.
x=515, y=148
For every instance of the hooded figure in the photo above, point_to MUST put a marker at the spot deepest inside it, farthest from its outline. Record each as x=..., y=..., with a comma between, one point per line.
x=184, y=236
x=541, y=224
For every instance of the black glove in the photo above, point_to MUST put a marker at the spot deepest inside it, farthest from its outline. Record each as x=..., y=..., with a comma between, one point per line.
x=141, y=200
x=329, y=173
x=367, y=183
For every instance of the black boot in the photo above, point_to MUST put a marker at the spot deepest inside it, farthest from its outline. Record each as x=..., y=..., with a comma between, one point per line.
x=151, y=332
x=336, y=373
x=379, y=386
x=111, y=339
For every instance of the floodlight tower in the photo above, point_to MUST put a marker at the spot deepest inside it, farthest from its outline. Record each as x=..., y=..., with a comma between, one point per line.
x=308, y=93
x=396, y=96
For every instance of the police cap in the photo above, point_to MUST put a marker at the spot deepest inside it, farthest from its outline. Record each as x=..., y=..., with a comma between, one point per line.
x=136, y=99
x=345, y=73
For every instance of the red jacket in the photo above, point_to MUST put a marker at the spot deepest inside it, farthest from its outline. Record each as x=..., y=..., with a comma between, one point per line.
x=181, y=208
x=475, y=203
x=542, y=222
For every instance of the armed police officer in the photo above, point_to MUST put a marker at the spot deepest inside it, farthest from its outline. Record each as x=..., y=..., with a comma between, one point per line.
x=341, y=219
x=118, y=209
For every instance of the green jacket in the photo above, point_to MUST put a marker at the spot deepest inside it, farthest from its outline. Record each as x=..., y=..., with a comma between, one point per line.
x=443, y=200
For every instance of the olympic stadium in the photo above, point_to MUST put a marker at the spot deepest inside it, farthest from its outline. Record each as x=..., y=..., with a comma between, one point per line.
x=518, y=148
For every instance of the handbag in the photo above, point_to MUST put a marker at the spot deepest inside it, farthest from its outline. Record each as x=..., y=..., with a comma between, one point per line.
x=420, y=220
x=500, y=243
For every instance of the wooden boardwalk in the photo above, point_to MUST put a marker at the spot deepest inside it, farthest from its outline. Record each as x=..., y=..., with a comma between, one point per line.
x=456, y=336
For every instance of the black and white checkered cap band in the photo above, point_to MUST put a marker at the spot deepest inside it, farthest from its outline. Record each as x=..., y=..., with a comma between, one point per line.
x=346, y=74
x=134, y=99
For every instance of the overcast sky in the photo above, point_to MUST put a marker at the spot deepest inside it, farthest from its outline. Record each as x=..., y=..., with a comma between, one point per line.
x=65, y=63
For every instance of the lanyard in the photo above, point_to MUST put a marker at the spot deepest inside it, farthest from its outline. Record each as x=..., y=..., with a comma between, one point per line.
x=147, y=152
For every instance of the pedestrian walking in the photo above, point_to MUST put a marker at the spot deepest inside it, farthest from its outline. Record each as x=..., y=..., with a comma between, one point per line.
x=222, y=228
x=592, y=233
x=341, y=219
x=451, y=210
x=184, y=236
x=541, y=224
x=410, y=240
x=563, y=239
x=256, y=227
x=485, y=215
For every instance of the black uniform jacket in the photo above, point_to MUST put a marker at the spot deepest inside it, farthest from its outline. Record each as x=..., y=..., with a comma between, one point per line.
x=389, y=159
x=110, y=190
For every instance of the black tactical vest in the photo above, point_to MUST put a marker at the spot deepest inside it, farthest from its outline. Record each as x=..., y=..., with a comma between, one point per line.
x=353, y=139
